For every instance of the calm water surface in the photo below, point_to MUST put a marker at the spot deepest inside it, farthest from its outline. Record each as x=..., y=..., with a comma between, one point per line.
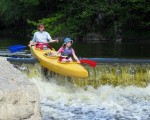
x=96, y=49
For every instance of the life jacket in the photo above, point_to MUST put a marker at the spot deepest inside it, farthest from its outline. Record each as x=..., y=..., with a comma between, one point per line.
x=41, y=45
x=67, y=52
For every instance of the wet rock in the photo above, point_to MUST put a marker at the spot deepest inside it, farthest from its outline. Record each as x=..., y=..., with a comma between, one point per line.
x=19, y=98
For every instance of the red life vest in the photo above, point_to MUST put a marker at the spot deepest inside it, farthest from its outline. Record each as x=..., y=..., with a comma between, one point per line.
x=41, y=45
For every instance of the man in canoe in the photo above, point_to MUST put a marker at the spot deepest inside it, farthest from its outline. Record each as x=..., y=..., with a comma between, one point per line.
x=67, y=52
x=41, y=38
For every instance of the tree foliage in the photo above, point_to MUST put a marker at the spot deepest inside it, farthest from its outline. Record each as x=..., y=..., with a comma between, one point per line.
x=76, y=18
x=79, y=17
x=16, y=10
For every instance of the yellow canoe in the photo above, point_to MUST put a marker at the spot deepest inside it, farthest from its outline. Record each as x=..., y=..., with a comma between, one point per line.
x=72, y=69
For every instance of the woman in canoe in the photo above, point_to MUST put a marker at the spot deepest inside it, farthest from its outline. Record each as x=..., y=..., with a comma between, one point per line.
x=41, y=38
x=67, y=52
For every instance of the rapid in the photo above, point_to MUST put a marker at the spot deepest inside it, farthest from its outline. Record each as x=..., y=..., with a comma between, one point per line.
x=112, y=91
x=121, y=92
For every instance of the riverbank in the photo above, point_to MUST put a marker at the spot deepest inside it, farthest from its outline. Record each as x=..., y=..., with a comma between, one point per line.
x=19, y=97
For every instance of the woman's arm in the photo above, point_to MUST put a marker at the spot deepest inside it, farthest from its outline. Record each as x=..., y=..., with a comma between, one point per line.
x=51, y=41
x=31, y=43
x=49, y=38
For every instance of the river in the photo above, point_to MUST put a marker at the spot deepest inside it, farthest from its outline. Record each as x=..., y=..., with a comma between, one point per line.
x=63, y=98
x=94, y=49
x=116, y=95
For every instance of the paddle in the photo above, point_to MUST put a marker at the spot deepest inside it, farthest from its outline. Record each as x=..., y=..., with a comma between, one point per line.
x=89, y=62
x=16, y=48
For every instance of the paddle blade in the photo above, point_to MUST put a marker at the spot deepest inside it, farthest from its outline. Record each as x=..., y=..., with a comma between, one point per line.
x=16, y=48
x=89, y=62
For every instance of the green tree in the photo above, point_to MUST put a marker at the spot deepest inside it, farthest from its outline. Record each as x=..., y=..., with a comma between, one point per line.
x=76, y=18
x=15, y=11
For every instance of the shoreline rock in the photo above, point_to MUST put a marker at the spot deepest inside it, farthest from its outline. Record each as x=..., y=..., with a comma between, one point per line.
x=19, y=98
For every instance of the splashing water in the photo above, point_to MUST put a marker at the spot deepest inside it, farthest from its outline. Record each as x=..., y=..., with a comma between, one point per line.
x=73, y=103
x=62, y=100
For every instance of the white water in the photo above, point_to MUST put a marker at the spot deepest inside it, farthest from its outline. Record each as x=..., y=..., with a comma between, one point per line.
x=68, y=102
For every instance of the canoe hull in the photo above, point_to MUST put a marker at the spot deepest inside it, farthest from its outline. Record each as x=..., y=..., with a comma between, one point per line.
x=67, y=69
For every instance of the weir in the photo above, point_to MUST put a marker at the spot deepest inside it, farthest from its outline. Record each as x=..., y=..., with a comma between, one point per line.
x=112, y=71
x=98, y=60
x=115, y=74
